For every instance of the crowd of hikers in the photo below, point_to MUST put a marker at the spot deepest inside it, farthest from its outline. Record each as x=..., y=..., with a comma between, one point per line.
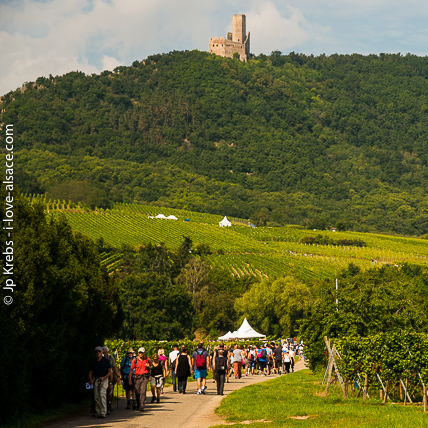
x=136, y=371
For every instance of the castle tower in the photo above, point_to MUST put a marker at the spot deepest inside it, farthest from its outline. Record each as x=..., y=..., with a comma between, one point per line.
x=236, y=42
x=239, y=28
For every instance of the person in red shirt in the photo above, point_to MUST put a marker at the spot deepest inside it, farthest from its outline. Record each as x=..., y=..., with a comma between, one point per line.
x=141, y=364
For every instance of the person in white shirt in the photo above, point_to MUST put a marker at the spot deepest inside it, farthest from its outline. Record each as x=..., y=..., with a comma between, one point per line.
x=287, y=362
x=172, y=363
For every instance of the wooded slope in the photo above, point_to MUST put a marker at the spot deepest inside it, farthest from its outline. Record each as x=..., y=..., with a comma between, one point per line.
x=284, y=139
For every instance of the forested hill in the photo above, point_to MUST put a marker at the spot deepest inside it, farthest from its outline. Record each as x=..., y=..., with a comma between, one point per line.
x=317, y=141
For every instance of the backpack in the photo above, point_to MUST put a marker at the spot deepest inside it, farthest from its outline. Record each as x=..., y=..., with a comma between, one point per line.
x=125, y=366
x=251, y=357
x=201, y=363
x=263, y=354
x=113, y=364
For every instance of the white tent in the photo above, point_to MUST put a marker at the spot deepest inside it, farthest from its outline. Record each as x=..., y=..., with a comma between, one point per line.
x=247, y=332
x=160, y=216
x=225, y=222
x=226, y=336
x=243, y=332
x=172, y=217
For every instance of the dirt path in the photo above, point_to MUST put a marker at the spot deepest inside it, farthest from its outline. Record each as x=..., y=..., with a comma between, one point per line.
x=174, y=410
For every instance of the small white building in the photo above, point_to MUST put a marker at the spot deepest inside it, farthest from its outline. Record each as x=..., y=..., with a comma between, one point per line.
x=225, y=222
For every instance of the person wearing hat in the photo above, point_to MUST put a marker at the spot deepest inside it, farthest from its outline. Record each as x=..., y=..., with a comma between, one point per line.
x=126, y=373
x=141, y=366
x=99, y=375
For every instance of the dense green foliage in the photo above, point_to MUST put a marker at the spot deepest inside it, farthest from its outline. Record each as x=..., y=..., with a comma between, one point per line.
x=168, y=293
x=389, y=355
x=325, y=240
x=294, y=139
x=390, y=299
x=155, y=307
x=276, y=306
x=61, y=292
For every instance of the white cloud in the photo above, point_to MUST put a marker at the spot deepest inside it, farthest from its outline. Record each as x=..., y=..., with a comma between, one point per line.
x=110, y=63
x=271, y=31
x=54, y=37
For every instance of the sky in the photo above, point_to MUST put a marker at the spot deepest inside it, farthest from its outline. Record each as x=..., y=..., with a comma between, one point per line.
x=42, y=37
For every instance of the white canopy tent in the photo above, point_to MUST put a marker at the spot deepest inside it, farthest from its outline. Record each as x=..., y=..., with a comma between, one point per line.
x=225, y=222
x=243, y=332
x=226, y=336
x=160, y=216
x=172, y=217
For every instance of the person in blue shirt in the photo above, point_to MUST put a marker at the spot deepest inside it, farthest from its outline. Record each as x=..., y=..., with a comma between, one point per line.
x=125, y=369
x=262, y=357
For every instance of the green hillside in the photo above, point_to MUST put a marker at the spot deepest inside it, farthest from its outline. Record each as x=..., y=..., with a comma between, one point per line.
x=265, y=252
x=282, y=139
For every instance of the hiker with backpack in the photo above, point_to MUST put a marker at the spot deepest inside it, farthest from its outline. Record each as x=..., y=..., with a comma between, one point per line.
x=99, y=376
x=262, y=357
x=114, y=378
x=251, y=357
x=172, y=360
x=126, y=373
x=141, y=364
x=220, y=365
x=200, y=364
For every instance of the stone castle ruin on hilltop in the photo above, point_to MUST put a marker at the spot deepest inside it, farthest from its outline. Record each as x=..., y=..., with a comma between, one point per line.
x=236, y=41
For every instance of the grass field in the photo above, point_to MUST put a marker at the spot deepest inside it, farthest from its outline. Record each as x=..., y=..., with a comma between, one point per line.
x=296, y=400
x=266, y=252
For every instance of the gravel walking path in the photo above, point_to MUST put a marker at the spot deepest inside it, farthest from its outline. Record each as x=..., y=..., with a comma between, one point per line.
x=174, y=410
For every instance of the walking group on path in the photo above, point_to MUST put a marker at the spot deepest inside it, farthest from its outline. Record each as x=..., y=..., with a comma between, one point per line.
x=137, y=371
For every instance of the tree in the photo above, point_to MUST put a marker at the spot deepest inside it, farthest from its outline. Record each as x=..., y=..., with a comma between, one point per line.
x=218, y=315
x=154, y=258
x=183, y=254
x=155, y=309
x=62, y=298
x=386, y=299
x=195, y=278
x=275, y=307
